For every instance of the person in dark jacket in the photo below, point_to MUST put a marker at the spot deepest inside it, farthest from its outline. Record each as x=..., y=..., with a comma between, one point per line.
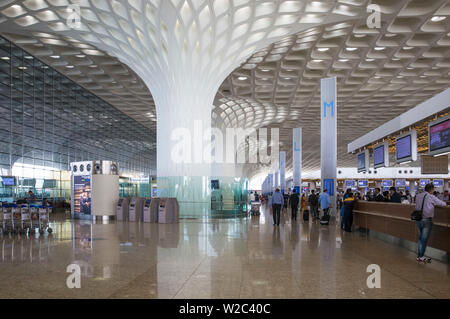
x=346, y=195
x=294, y=200
x=349, y=204
x=378, y=196
x=395, y=197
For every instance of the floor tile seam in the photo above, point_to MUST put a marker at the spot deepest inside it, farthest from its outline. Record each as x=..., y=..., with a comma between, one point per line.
x=193, y=272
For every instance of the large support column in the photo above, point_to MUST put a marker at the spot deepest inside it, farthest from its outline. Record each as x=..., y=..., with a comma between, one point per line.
x=328, y=137
x=282, y=171
x=297, y=159
x=277, y=178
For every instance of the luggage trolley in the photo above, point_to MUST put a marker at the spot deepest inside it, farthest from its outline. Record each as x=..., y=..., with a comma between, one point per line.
x=16, y=219
x=255, y=208
x=44, y=220
x=34, y=216
x=25, y=219
x=7, y=222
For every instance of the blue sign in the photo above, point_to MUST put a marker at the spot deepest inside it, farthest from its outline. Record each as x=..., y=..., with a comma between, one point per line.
x=349, y=184
x=328, y=184
x=295, y=147
x=325, y=106
x=424, y=182
x=363, y=183
x=400, y=183
x=438, y=183
x=388, y=183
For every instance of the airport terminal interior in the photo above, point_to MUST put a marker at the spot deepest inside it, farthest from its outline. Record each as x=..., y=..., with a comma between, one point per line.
x=225, y=149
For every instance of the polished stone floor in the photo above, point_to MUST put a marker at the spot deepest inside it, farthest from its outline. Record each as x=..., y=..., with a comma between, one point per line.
x=244, y=258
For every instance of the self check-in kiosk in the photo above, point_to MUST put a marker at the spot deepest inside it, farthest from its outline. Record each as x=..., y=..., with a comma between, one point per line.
x=122, y=209
x=135, y=212
x=169, y=211
x=151, y=206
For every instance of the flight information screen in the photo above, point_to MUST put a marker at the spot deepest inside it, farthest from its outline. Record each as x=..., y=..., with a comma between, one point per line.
x=378, y=155
x=361, y=162
x=404, y=147
x=440, y=136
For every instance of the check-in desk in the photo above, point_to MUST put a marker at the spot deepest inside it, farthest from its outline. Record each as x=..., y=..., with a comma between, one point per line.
x=395, y=220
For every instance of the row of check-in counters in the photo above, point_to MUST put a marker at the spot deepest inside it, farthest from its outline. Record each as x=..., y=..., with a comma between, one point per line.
x=148, y=210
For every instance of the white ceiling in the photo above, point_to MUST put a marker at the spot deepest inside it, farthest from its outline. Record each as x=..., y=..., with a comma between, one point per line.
x=280, y=85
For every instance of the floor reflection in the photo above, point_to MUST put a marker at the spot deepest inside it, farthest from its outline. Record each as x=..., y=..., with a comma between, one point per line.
x=229, y=258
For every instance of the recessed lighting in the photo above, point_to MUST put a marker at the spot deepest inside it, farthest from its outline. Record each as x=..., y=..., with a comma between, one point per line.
x=423, y=76
x=287, y=78
x=54, y=56
x=80, y=56
x=360, y=35
x=323, y=49
x=343, y=60
x=317, y=60
x=28, y=57
x=351, y=49
x=5, y=58
x=407, y=48
x=22, y=67
x=370, y=60
x=438, y=18
x=400, y=76
x=395, y=59
x=242, y=78
x=69, y=66
x=390, y=35
x=44, y=67
x=92, y=66
x=379, y=48
x=265, y=70
x=410, y=68
x=377, y=77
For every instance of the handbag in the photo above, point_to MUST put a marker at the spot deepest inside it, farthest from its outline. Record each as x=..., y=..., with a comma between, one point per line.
x=417, y=214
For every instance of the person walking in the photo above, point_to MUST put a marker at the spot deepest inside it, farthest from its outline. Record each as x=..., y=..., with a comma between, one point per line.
x=276, y=203
x=303, y=203
x=324, y=202
x=294, y=200
x=427, y=201
x=313, y=205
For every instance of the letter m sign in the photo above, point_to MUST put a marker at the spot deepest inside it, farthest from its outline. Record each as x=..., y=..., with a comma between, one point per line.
x=328, y=105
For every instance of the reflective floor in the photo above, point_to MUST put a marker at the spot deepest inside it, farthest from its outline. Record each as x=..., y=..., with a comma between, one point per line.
x=244, y=258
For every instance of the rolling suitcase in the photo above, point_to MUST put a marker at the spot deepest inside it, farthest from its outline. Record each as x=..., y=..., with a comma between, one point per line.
x=325, y=220
x=306, y=215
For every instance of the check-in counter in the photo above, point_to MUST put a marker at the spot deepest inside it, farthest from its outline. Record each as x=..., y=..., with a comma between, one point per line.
x=395, y=220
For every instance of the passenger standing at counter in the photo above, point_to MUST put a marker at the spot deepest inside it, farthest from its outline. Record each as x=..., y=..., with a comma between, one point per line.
x=386, y=196
x=378, y=196
x=294, y=200
x=428, y=201
x=446, y=197
x=313, y=205
x=394, y=196
x=349, y=204
x=275, y=204
x=346, y=195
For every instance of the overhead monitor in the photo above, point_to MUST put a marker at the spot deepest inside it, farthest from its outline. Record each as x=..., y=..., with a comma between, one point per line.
x=438, y=183
x=400, y=183
x=388, y=183
x=8, y=181
x=363, y=184
x=439, y=136
x=424, y=182
x=350, y=184
x=381, y=155
x=215, y=184
x=406, y=147
x=363, y=161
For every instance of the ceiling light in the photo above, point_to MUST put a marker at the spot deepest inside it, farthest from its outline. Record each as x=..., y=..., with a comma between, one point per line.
x=54, y=56
x=370, y=60
x=80, y=56
x=317, y=60
x=395, y=59
x=69, y=66
x=265, y=70
x=377, y=77
x=379, y=48
x=390, y=35
x=22, y=67
x=44, y=67
x=323, y=49
x=407, y=48
x=287, y=78
x=5, y=58
x=423, y=76
x=93, y=66
x=400, y=77
x=343, y=60
x=28, y=57
x=410, y=68
x=242, y=78
x=360, y=35
x=351, y=49
x=438, y=18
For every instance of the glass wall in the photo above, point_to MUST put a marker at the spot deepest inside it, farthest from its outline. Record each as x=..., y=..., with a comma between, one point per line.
x=47, y=121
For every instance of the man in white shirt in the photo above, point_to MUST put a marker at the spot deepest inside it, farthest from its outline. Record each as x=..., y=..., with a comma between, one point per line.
x=428, y=201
